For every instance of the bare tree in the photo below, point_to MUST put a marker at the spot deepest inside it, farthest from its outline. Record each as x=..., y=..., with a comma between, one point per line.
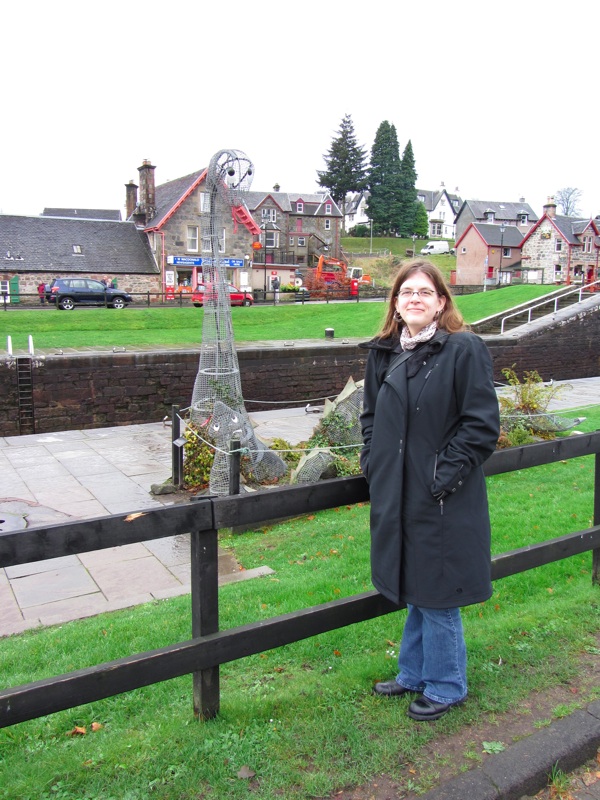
x=567, y=200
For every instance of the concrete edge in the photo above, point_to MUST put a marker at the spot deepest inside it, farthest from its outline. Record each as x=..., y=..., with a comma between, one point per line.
x=523, y=768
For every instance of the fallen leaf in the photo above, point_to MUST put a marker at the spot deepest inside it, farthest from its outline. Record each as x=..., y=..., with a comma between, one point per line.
x=337, y=653
x=77, y=731
x=246, y=772
x=96, y=726
x=131, y=517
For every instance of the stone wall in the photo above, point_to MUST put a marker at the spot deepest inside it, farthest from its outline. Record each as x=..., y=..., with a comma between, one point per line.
x=109, y=389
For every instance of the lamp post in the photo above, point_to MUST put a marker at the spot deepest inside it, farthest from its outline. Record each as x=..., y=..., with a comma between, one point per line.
x=371, y=238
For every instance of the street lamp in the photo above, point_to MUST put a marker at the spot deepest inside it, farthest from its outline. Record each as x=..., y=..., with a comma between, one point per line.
x=371, y=238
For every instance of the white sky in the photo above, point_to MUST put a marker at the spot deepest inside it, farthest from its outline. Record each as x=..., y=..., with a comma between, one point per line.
x=499, y=100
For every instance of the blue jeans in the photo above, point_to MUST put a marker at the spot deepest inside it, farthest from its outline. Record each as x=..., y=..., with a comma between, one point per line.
x=433, y=656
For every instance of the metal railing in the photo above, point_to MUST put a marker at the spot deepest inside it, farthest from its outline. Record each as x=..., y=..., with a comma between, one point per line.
x=554, y=301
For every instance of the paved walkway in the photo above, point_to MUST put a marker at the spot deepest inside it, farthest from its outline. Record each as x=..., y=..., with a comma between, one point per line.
x=53, y=478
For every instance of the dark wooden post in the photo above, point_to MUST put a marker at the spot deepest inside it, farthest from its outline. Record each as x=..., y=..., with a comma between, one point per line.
x=235, y=458
x=596, y=551
x=205, y=616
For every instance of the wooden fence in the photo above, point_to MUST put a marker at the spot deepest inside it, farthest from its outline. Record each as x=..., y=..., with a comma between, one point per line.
x=209, y=647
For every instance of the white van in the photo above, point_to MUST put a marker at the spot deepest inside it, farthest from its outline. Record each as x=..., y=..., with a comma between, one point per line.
x=435, y=248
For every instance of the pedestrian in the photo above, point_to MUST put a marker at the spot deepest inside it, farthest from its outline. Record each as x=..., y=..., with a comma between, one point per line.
x=275, y=283
x=430, y=419
x=41, y=290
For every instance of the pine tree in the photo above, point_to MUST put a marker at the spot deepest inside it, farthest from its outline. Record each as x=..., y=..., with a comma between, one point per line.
x=384, y=180
x=421, y=227
x=408, y=192
x=345, y=161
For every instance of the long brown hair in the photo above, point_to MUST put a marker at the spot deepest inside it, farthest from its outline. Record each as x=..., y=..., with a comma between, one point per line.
x=450, y=318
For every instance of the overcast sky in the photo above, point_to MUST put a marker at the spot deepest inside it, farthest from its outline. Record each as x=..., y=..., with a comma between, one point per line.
x=499, y=100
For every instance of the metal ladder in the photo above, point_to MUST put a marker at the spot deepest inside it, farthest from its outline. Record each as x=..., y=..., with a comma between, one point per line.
x=25, y=391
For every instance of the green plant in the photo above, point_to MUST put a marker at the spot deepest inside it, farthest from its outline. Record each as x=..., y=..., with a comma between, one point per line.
x=522, y=412
x=493, y=747
x=559, y=783
x=199, y=454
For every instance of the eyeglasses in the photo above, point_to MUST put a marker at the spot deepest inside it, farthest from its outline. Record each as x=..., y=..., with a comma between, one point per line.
x=406, y=294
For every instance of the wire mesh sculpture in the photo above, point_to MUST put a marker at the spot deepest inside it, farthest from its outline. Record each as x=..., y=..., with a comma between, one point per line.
x=217, y=401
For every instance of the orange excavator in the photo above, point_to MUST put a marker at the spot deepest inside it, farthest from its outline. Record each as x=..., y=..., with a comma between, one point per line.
x=334, y=273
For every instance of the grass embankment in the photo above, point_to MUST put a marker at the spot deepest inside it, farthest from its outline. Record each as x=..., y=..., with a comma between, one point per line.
x=183, y=326
x=301, y=717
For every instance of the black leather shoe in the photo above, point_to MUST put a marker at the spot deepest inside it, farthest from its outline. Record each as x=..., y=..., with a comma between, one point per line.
x=390, y=689
x=425, y=710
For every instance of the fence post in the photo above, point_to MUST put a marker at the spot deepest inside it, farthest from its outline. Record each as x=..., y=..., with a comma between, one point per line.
x=596, y=551
x=235, y=458
x=205, y=616
x=177, y=445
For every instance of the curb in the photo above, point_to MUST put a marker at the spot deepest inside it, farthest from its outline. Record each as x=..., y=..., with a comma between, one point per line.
x=523, y=768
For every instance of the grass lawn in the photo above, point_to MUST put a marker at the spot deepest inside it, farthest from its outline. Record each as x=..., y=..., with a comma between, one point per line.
x=299, y=721
x=183, y=326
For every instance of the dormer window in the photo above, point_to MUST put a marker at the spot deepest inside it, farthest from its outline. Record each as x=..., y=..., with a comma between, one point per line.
x=269, y=214
x=328, y=208
x=300, y=208
x=78, y=249
x=490, y=216
x=523, y=219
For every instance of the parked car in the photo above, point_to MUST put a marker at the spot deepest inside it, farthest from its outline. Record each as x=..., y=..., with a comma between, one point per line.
x=237, y=297
x=69, y=292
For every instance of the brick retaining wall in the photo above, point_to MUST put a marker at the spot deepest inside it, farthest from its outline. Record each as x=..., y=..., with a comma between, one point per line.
x=92, y=391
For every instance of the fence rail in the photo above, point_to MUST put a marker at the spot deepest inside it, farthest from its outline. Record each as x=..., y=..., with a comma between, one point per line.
x=209, y=648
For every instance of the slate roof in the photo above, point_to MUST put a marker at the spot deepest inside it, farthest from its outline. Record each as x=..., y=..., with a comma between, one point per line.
x=502, y=211
x=313, y=203
x=83, y=213
x=572, y=227
x=45, y=244
x=492, y=236
x=432, y=198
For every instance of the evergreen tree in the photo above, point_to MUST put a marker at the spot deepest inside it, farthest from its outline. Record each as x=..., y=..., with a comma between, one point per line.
x=383, y=206
x=345, y=161
x=408, y=192
x=421, y=220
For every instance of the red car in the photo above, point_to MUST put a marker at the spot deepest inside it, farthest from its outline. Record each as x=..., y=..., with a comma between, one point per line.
x=236, y=296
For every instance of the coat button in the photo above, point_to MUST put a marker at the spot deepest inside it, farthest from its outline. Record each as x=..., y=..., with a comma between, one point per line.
x=460, y=483
x=453, y=490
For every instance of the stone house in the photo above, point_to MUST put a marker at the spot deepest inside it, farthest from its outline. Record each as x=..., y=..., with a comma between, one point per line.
x=63, y=242
x=278, y=231
x=563, y=249
x=494, y=213
x=488, y=254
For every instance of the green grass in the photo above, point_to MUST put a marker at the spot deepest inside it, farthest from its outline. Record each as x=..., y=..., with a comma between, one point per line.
x=183, y=326
x=301, y=717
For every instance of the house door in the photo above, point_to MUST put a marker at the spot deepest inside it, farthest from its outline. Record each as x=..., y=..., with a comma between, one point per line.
x=14, y=289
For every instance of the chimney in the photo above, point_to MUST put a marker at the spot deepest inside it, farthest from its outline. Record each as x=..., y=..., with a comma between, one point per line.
x=550, y=208
x=147, y=190
x=130, y=198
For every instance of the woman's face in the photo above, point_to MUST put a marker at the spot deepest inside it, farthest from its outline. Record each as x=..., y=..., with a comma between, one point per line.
x=418, y=302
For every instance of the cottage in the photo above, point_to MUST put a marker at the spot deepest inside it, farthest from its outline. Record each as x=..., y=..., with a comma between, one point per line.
x=495, y=213
x=563, y=249
x=488, y=255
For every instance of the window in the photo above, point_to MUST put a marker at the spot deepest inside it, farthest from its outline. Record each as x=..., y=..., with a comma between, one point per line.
x=558, y=245
x=77, y=249
x=204, y=203
x=302, y=241
x=490, y=216
x=523, y=219
x=328, y=208
x=327, y=224
x=506, y=252
x=192, y=238
x=206, y=243
x=299, y=208
x=291, y=241
x=436, y=228
x=269, y=214
x=270, y=238
x=4, y=289
x=587, y=244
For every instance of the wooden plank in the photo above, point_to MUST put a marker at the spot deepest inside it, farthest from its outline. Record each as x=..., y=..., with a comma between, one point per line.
x=53, y=541
x=534, y=455
x=536, y=555
x=105, y=680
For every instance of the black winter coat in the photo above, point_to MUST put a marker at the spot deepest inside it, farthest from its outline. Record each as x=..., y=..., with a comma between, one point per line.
x=428, y=426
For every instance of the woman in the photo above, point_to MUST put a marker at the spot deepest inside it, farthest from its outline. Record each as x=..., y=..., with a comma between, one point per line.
x=430, y=420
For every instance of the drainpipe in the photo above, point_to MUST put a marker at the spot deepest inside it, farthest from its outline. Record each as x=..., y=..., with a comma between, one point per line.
x=569, y=267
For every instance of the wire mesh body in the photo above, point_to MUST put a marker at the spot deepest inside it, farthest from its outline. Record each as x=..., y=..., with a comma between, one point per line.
x=217, y=395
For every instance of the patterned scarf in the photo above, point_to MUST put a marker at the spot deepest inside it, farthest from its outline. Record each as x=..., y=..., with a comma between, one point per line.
x=408, y=342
